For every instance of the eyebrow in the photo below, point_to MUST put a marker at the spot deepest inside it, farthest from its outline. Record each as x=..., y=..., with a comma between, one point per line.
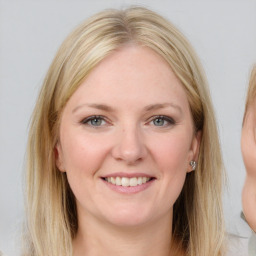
x=147, y=108
x=97, y=106
x=162, y=105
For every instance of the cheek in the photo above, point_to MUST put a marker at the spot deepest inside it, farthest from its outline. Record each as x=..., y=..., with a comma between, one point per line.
x=248, y=147
x=172, y=153
x=83, y=157
x=171, y=156
x=83, y=153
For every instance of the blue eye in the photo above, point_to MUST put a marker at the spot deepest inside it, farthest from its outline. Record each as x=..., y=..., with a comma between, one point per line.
x=95, y=121
x=163, y=121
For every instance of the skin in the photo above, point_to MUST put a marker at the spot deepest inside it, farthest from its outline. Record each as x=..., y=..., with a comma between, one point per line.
x=128, y=90
x=248, y=145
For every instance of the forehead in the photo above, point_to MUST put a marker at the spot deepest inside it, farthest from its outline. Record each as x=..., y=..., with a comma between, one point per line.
x=130, y=73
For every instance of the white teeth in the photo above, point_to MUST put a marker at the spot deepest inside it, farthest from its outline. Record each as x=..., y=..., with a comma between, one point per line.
x=126, y=182
x=113, y=180
x=133, y=182
x=118, y=181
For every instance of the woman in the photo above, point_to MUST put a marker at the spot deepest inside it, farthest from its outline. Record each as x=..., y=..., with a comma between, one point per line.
x=123, y=153
x=248, y=149
x=248, y=146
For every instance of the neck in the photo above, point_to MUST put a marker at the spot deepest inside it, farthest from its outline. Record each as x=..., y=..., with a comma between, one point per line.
x=95, y=238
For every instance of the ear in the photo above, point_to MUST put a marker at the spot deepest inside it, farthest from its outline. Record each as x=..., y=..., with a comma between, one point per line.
x=195, y=149
x=59, y=157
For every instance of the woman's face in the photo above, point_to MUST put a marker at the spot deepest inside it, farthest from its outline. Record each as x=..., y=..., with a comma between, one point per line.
x=126, y=139
x=248, y=139
x=248, y=146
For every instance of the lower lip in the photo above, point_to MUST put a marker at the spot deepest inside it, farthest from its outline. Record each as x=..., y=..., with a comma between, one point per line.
x=129, y=190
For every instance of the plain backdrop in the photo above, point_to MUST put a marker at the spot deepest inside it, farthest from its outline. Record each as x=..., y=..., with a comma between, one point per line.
x=222, y=32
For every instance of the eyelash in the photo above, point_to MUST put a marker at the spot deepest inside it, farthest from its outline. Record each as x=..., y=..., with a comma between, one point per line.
x=170, y=121
x=92, y=118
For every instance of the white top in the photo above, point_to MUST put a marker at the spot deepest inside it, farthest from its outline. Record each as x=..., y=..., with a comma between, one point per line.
x=241, y=246
x=252, y=244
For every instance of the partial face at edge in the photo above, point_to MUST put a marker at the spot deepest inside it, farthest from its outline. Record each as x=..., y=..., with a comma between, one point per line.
x=248, y=146
x=128, y=123
x=248, y=139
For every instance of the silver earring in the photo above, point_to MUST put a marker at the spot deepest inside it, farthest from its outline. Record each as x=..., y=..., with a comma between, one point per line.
x=193, y=164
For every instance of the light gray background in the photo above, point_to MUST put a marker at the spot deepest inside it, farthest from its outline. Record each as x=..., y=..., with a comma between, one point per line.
x=222, y=32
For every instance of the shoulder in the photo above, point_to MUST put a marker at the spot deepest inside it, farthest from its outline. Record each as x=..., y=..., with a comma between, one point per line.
x=241, y=246
x=237, y=245
x=252, y=244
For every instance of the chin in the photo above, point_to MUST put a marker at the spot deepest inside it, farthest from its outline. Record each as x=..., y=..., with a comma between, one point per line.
x=131, y=217
x=123, y=215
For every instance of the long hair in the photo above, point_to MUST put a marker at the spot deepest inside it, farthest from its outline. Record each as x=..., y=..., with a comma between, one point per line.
x=251, y=92
x=51, y=210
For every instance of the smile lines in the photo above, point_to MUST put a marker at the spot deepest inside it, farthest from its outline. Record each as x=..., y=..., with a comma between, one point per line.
x=127, y=182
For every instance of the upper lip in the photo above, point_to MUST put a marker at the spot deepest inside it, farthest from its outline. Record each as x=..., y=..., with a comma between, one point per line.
x=128, y=175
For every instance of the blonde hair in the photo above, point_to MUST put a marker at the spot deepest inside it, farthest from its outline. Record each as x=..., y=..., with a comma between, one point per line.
x=51, y=210
x=251, y=93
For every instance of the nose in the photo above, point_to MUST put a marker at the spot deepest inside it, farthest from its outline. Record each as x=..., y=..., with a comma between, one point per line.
x=130, y=146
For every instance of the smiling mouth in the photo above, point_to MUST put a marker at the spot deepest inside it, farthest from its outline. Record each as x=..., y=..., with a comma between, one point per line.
x=127, y=182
